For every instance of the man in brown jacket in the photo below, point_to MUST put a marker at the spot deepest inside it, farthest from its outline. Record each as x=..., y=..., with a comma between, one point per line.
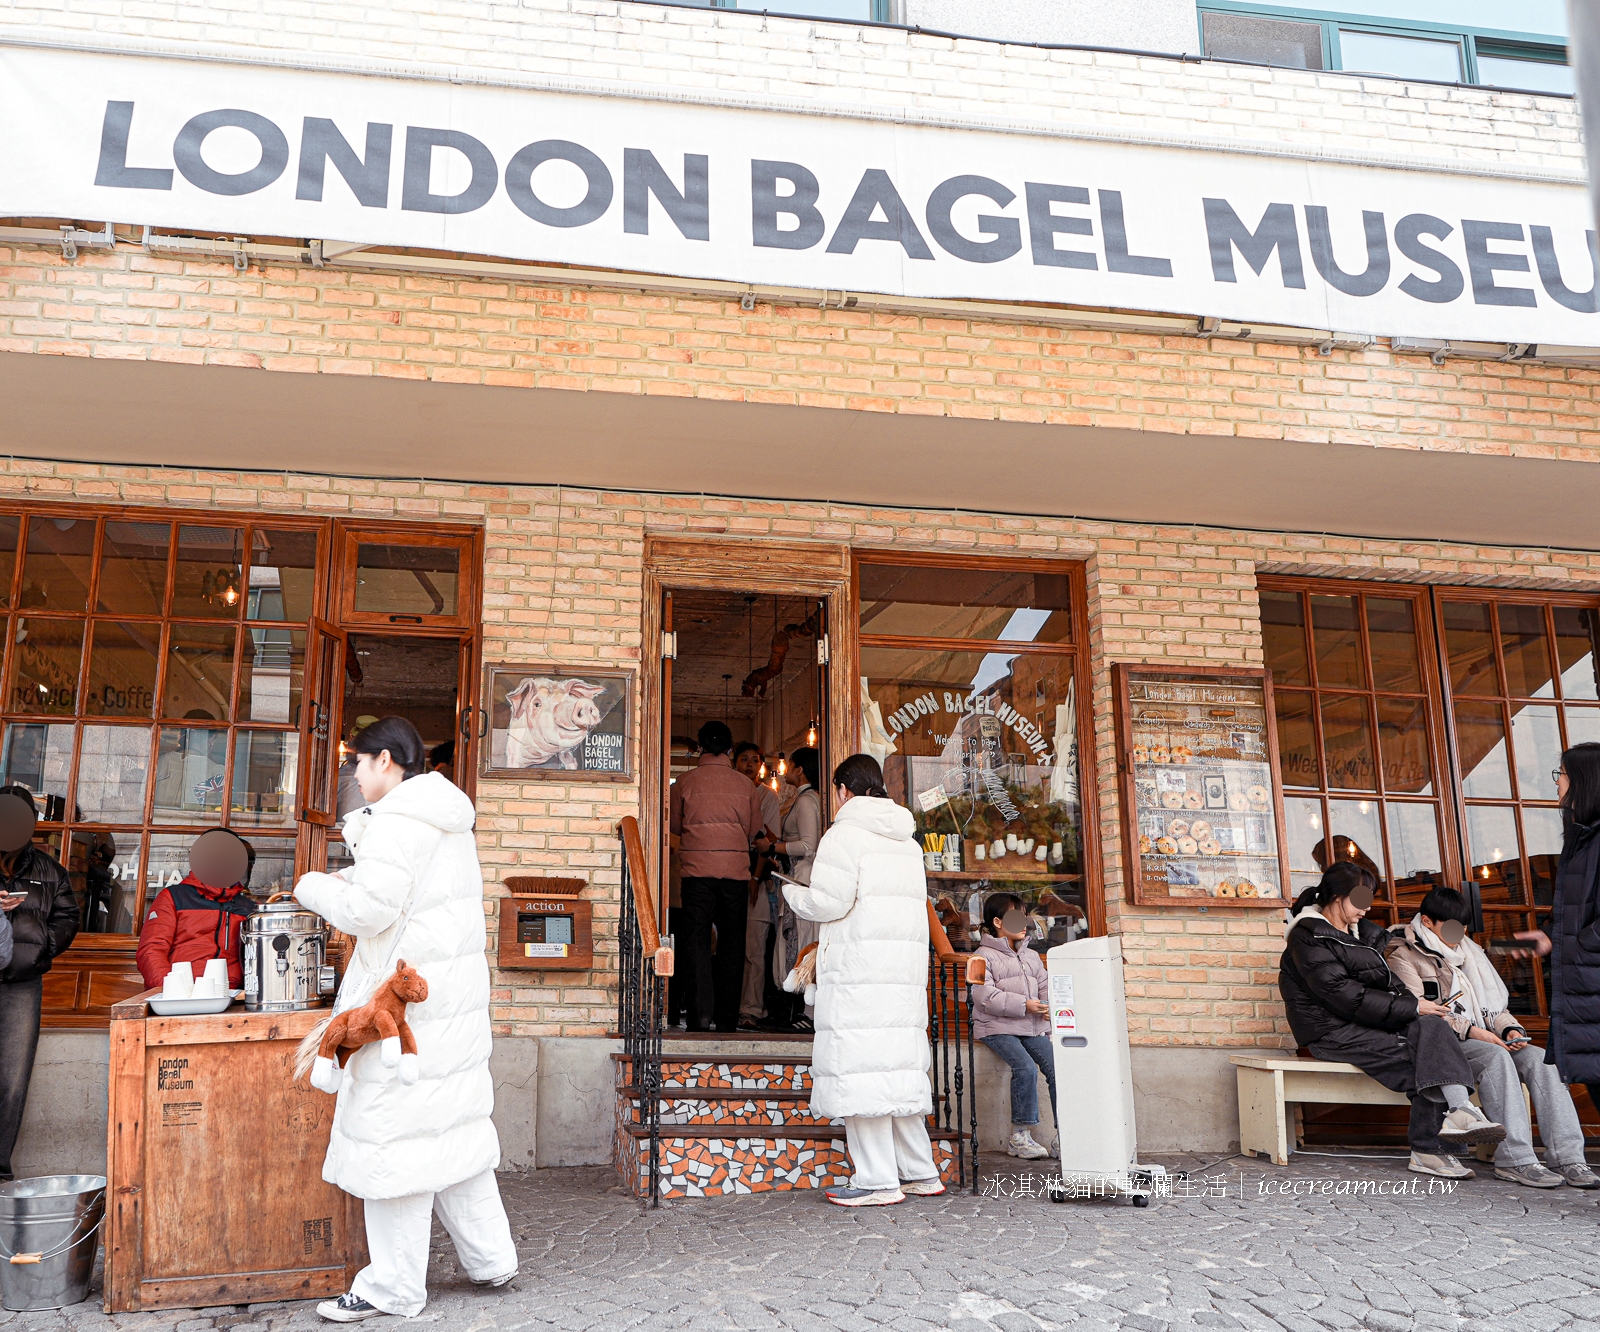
x=716, y=814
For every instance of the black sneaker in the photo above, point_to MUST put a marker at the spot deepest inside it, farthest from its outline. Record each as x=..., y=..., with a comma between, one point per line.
x=348, y=1308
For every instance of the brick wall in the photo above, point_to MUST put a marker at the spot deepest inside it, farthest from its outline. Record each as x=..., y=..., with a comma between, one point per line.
x=687, y=53
x=128, y=304
x=564, y=571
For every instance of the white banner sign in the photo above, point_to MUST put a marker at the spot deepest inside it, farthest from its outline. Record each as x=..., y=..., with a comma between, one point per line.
x=792, y=200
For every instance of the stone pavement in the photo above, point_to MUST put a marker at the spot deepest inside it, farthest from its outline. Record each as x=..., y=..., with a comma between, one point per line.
x=1322, y=1244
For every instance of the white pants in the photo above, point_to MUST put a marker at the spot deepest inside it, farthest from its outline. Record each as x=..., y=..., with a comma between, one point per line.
x=395, y=1278
x=887, y=1149
x=752, y=1003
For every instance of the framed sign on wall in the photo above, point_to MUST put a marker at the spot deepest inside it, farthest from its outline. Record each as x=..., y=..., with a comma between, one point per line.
x=1202, y=800
x=562, y=723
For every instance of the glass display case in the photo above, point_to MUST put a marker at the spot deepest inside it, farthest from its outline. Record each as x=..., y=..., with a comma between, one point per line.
x=1202, y=801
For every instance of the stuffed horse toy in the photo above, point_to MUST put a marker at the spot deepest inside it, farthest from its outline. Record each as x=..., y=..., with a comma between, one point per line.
x=326, y=1050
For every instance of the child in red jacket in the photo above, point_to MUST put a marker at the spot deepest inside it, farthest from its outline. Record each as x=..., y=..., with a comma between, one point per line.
x=197, y=920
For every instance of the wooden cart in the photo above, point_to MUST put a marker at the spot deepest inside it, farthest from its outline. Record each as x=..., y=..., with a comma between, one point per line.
x=214, y=1165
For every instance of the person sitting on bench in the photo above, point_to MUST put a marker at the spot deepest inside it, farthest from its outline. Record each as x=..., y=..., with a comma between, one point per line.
x=1436, y=958
x=1345, y=1005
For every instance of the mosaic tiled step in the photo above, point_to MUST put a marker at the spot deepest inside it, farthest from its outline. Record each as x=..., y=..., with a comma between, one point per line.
x=708, y=1163
x=764, y=1111
x=727, y=1075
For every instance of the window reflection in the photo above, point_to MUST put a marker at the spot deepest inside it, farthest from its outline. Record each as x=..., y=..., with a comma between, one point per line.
x=191, y=764
x=1414, y=853
x=1577, y=630
x=1481, y=742
x=38, y=755
x=1536, y=742
x=1356, y=836
x=122, y=669
x=407, y=580
x=1297, y=739
x=1496, y=853
x=1303, y=824
x=56, y=567
x=199, y=672
x=10, y=535
x=924, y=601
x=112, y=769
x=133, y=568
x=264, y=767
x=1403, y=742
x=104, y=869
x=44, y=665
x=1526, y=651
x=272, y=868
x=1347, y=741
x=982, y=748
x=1337, y=640
x=208, y=580
x=272, y=675
x=1392, y=634
x=1283, y=637
x=283, y=567
x=1470, y=642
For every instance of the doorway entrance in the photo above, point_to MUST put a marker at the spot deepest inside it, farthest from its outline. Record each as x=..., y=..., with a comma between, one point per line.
x=756, y=662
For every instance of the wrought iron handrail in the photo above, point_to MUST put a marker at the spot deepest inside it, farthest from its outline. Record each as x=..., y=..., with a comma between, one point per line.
x=643, y=965
x=949, y=1030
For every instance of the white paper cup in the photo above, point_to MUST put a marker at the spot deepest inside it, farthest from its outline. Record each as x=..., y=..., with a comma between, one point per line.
x=998, y=849
x=179, y=982
x=980, y=850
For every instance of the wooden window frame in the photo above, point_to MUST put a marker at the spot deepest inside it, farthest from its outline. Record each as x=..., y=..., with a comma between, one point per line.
x=1077, y=648
x=349, y=537
x=98, y=968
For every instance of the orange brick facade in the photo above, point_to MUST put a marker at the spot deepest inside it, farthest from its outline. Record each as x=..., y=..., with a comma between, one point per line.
x=132, y=305
x=564, y=568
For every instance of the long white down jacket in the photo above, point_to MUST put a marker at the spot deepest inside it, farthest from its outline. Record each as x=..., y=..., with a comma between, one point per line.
x=870, y=893
x=390, y=1140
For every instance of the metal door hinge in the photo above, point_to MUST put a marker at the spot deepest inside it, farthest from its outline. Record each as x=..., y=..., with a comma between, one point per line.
x=822, y=650
x=669, y=645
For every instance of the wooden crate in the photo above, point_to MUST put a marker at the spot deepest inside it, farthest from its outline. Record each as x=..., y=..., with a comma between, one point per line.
x=214, y=1163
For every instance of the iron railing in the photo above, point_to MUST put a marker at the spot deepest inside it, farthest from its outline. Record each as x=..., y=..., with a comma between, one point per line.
x=954, y=1081
x=643, y=966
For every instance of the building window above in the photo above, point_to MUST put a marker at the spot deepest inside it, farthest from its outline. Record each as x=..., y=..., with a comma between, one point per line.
x=1378, y=41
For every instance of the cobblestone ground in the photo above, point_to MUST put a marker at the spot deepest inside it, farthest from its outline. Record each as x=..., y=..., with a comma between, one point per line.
x=1310, y=1247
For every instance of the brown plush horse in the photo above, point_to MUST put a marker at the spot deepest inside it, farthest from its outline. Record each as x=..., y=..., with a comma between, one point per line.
x=326, y=1050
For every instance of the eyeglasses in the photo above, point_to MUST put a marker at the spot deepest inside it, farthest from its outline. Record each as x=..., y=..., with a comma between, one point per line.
x=1557, y=774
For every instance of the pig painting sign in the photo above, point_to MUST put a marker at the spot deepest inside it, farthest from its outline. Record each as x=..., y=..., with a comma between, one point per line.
x=558, y=723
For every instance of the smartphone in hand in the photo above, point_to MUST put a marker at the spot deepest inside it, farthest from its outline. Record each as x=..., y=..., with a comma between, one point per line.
x=10, y=901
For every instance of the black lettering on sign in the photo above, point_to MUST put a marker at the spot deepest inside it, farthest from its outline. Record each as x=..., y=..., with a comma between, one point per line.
x=187, y=148
x=113, y=169
x=689, y=210
x=317, y=1231
x=1277, y=230
x=321, y=142
x=169, y=1075
x=767, y=206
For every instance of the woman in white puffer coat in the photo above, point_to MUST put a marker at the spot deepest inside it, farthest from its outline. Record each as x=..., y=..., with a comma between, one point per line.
x=418, y=1138
x=869, y=1063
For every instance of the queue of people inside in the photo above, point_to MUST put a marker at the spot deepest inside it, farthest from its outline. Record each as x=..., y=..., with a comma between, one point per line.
x=1421, y=1007
x=732, y=836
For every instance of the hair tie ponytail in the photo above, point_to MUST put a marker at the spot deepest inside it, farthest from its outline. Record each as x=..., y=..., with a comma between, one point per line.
x=861, y=776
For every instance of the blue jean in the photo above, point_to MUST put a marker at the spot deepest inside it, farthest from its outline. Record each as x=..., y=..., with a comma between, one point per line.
x=20, y=1003
x=1023, y=1053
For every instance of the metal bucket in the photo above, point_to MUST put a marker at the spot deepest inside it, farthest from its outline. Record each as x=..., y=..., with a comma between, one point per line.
x=54, y=1220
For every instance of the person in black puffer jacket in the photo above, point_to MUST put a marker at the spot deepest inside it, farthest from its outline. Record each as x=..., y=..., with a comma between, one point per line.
x=43, y=924
x=1572, y=935
x=1345, y=1005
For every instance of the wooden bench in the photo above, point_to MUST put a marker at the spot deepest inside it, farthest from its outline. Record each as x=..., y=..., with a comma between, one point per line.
x=1270, y=1082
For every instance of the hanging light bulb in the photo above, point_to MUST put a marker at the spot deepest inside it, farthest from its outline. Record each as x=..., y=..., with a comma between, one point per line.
x=783, y=764
x=774, y=782
x=761, y=772
x=811, y=734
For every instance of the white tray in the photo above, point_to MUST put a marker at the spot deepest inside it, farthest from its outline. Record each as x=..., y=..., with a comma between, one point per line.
x=190, y=1007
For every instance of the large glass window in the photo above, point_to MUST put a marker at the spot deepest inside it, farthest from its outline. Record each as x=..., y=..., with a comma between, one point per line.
x=1432, y=42
x=153, y=690
x=970, y=696
x=1419, y=731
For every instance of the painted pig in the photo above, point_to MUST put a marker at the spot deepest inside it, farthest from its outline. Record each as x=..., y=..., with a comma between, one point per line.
x=549, y=719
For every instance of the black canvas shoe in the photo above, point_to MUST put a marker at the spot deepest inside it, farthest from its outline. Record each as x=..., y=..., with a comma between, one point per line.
x=349, y=1308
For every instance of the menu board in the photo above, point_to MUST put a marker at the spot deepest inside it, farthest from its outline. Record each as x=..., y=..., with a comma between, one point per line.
x=1201, y=796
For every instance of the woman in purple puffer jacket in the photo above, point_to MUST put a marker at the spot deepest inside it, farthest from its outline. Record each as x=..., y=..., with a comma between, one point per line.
x=1011, y=1016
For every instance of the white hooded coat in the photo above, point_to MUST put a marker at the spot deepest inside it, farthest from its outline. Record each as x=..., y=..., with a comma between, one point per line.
x=390, y=1140
x=870, y=893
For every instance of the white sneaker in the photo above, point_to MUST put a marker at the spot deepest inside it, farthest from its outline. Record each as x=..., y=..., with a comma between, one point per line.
x=1447, y=1167
x=1468, y=1125
x=1023, y=1145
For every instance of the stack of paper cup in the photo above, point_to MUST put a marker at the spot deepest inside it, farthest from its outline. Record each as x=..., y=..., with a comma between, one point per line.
x=215, y=982
x=179, y=982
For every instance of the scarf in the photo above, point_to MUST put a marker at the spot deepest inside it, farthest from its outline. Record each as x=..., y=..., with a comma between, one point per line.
x=1475, y=976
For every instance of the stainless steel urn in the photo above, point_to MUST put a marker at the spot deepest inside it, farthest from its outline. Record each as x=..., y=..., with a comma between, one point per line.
x=285, y=958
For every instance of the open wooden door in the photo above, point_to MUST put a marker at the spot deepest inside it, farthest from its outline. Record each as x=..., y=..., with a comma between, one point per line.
x=319, y=747
x=669, y=652
x=472, y=723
